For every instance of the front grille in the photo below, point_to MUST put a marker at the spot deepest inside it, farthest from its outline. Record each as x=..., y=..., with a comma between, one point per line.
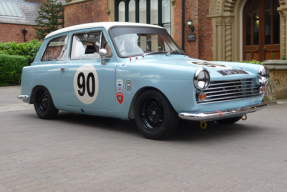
x=230, y=90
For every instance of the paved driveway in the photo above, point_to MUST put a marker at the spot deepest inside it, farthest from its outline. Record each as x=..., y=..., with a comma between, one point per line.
x=85, y=153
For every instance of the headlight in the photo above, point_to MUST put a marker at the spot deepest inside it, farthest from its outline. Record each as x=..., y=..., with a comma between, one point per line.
x=263, y=75
x=201, y=79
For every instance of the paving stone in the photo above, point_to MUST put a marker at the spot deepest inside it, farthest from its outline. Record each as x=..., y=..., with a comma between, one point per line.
x=85, y=153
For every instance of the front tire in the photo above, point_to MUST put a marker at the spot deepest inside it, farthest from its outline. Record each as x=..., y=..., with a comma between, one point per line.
x=229, y=120
x=154, y=115
x=43, y=104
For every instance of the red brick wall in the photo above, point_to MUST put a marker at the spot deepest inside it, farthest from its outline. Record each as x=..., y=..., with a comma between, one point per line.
x=87, y=12
x=197, y=10
x=205, y=31
x=13, y=32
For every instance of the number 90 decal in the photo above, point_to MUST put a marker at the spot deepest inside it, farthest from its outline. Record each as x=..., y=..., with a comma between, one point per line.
x=86, y=84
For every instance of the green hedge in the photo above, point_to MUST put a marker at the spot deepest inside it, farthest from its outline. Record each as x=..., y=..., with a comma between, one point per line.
x=252, y=62
x=11, y=68
x=29, y=50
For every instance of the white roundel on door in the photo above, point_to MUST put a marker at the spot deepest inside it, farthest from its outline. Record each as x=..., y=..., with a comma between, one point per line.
x=86, y=84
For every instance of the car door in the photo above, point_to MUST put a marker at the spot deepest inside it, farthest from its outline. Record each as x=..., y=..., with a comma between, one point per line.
x=85, y=82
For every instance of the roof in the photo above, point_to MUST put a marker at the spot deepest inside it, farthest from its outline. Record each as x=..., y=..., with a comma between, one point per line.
x=106, y=25
x=18, y=12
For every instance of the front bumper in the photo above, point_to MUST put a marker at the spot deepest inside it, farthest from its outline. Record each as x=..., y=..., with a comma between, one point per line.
x=222, y=114
x=23, y=97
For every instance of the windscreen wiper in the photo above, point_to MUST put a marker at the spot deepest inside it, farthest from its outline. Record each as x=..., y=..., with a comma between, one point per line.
x=175, y=52
x=154, y=52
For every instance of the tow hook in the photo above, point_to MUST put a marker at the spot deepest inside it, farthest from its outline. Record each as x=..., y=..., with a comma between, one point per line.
x=203, y=124
x=244, y=117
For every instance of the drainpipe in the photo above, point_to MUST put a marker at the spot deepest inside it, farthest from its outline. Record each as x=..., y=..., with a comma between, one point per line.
x=24, y=31
x=183, y=23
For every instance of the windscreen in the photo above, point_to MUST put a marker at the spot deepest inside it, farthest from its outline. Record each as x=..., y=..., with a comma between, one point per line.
x=137, y=41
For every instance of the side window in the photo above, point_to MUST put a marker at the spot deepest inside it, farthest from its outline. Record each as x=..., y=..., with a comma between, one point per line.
x=87, y=45
x=56, y=49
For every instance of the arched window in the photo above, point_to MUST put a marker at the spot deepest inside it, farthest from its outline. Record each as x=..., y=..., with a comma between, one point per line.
x=132, y=11
x=156, y=12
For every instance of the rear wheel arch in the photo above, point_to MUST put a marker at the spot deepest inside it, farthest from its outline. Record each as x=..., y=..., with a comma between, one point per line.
x=34, y=91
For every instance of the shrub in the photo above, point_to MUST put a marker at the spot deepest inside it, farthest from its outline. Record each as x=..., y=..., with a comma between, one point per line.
x=29, y=50
x=11, y=68
x=283, y=58
x=252, y=62
x=272, y=55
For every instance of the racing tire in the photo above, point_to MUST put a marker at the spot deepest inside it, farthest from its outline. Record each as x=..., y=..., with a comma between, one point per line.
x=229, y=120
x=154, y=115
x=43, y=104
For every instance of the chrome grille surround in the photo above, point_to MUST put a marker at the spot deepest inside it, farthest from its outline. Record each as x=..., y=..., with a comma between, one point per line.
x=219, y=91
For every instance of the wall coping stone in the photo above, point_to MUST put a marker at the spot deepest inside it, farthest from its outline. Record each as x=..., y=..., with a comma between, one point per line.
x=276, y=64
x=75, y=2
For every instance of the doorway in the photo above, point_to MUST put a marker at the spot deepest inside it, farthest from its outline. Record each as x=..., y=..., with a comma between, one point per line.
x=261, y=30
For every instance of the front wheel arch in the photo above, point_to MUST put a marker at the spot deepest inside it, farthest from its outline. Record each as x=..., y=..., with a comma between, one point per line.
x=137, y=94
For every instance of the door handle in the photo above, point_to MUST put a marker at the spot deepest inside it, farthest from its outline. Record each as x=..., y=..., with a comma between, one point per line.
x=264, y=48
x=257, y=48
x=64, y=69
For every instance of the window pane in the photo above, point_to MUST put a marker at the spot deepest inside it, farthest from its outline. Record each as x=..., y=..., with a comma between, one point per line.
x=122, y=12
x=167, y=27
x=256, y=22
x=276, y=24
x=56, y=49
x=267, y=22
x=248, y=24
x=132, y=11
x=154, y=11
x=166, y=11
x=142, y=11
x=87, y=45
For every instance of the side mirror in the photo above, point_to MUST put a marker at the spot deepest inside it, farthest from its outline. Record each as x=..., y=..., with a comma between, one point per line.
x=103, y=54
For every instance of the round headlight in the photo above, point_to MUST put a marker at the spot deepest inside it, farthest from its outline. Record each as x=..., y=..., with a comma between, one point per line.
x=263, y=75
x=201, y=79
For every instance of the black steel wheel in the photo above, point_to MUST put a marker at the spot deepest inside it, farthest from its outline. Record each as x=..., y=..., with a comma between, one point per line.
x=229, y=120
x=154, y=115
x=43, y=104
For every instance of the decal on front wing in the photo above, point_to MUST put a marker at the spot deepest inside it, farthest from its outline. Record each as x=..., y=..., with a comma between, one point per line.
x=119, y=84
x=86, y=84
x=120, y=97
x=128, y=85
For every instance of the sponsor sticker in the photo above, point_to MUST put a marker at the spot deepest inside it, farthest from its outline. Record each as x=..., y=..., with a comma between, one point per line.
x=120, y=97
x=119, y=84
x=128, y=85
x=123, y=65
x=232, y=72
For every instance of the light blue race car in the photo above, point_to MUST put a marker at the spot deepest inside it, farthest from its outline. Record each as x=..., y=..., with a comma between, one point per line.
x=137, y=71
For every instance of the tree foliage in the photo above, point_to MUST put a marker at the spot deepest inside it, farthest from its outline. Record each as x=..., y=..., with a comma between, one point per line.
x=51, y=15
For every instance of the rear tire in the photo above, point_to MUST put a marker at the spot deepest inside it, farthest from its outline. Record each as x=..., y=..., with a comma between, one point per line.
x=229, y=120
x=154, y=115
x=43, y=104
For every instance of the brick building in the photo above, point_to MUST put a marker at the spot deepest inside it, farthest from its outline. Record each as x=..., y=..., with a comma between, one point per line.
x=227, y=30
x=16, y=16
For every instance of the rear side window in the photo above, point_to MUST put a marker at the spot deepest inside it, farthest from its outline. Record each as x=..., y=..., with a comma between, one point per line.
x=87, y=45
x=56, y=49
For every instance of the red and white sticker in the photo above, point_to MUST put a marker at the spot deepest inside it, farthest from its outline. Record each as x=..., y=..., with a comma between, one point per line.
x=120, y=97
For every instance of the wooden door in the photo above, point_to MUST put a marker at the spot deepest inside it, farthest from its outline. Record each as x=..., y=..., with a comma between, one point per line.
x=261, y=29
